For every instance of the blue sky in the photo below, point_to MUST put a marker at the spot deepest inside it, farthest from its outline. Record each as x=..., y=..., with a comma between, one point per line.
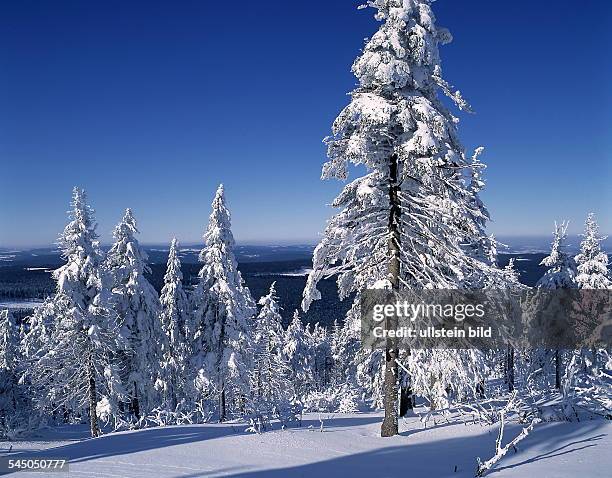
x=150, y=105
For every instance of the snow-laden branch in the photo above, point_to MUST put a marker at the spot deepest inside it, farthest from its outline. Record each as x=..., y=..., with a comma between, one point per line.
x=500, y=451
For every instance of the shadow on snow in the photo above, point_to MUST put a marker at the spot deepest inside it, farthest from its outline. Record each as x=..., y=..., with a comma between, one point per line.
x=432, y=458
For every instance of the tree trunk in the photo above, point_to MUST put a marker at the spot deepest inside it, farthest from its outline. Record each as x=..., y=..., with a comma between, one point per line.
x=173, y=398
x=93, y=398
x=135, y=405
x=389, y=426
x=510, y=368
x=557, y=370
x=481, y=389
x=406, y=400
x=222, y=405
x=406, y=395
x=219, y=365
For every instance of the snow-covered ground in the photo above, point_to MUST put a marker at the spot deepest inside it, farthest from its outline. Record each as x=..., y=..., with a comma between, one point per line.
x=349, y=446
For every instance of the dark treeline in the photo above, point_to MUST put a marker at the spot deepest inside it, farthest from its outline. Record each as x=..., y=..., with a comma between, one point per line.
x=19, y=283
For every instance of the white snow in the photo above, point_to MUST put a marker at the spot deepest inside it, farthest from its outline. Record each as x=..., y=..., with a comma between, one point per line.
x=348, y=446
x=304, y=271
x=23, y=304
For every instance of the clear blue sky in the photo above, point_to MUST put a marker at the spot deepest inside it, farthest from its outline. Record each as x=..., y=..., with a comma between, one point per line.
x=152, y=104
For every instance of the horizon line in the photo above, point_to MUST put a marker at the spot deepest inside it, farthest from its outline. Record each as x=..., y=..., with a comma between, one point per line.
x=267, y=243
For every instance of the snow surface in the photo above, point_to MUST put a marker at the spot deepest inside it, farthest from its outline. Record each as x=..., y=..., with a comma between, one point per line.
x=348, y=446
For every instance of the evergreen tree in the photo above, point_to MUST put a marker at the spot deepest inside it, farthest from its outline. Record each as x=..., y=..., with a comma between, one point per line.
x=9, y=340
x=72, y=367
x=174, y=316
x=409, y=219
x=299, y=353
x=561, y=272
x=340, y=355
x=271, y=373
x=14, y=403
x=592, y=262
x=592, y=273
x=222, y=309
x=512, y=276
x=323, y=360
x=137, y=305
x=38, y=328
x=478, y=245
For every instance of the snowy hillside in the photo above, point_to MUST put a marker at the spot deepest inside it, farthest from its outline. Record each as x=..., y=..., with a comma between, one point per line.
x=348, y=446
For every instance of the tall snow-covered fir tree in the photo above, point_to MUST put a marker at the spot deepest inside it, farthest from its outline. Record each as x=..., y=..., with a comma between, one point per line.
x=137, y=305
x=222, y=310
x=592, y=262
x=413, y=218
x=271, y=371
x=174, y=316
x=72, y=367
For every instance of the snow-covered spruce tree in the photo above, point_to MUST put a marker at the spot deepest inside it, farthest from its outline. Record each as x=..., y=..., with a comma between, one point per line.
x=72, y=367
x=344, y=387
x=512, y=276
x=271, y=375
x=353, y=368
x=478, y=245
x=592, y=273
x=561, y=274
x=137, y=305
x=14, y=403
x=9, y=340
x=592, y=262
x=38, y=328
x=338, y=353
x=343, y=352
x=174, y=316
x=299, y=353
x=323, y=361
x=409, y=219
x=222, y=308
